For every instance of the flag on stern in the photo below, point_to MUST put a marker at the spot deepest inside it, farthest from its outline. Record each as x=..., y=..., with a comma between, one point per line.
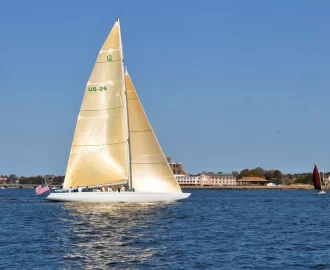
x=41, y=189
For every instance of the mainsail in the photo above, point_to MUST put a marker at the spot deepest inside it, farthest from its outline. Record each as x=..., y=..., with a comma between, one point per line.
x=150, y=169
x=99, y=149
x=317, y=179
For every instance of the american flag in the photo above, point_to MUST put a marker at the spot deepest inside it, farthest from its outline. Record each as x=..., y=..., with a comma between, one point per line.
x=41, y=189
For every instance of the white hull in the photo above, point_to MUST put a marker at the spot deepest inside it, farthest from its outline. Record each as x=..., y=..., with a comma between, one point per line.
x=117, y=197
x=321, y=192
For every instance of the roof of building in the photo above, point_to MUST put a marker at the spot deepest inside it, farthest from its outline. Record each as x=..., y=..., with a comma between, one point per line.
x=218, y=175
x=208, y=175
x=252, y=179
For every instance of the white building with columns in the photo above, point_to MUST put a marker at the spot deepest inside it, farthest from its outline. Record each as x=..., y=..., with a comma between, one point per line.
x=206, y=179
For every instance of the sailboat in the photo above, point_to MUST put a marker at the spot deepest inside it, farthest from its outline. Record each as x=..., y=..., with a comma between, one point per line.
x=114, y=145
x=317, y=181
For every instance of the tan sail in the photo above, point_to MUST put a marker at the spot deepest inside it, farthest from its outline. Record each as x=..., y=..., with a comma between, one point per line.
x=99, y=152
x=150, y=170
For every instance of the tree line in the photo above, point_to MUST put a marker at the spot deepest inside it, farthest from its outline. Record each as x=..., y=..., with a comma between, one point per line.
x=276, y=176
x=33, y=180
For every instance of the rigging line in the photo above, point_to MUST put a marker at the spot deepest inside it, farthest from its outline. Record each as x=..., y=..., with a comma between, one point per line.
x=111, y=184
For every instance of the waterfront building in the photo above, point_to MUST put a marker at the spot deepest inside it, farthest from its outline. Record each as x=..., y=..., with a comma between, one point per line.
x=207, y=179
x=3, y=180
x=252, y=181
x=176, y=167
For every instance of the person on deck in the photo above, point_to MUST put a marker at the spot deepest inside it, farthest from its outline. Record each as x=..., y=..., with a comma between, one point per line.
x=70, y=189
x=80, y=189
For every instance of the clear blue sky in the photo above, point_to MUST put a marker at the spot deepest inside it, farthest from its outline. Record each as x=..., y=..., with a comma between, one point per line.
x=227, y=85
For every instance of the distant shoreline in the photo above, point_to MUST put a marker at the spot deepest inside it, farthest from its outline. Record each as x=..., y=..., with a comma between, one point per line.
x=280, y=187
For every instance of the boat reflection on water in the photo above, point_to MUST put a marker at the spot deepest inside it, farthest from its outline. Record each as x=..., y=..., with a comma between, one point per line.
x=114, y=235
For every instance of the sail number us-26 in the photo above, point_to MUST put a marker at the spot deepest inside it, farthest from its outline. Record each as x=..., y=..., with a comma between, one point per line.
x=102, y=88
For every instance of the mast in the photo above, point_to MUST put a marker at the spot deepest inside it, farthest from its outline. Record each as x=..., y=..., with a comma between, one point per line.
x=127, y=120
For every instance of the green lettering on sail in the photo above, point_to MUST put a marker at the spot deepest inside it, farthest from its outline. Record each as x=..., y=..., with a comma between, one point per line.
x=94, y=89
x=109, y=58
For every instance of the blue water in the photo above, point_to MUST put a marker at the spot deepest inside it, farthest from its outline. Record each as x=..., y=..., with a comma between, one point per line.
x=213, y=229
